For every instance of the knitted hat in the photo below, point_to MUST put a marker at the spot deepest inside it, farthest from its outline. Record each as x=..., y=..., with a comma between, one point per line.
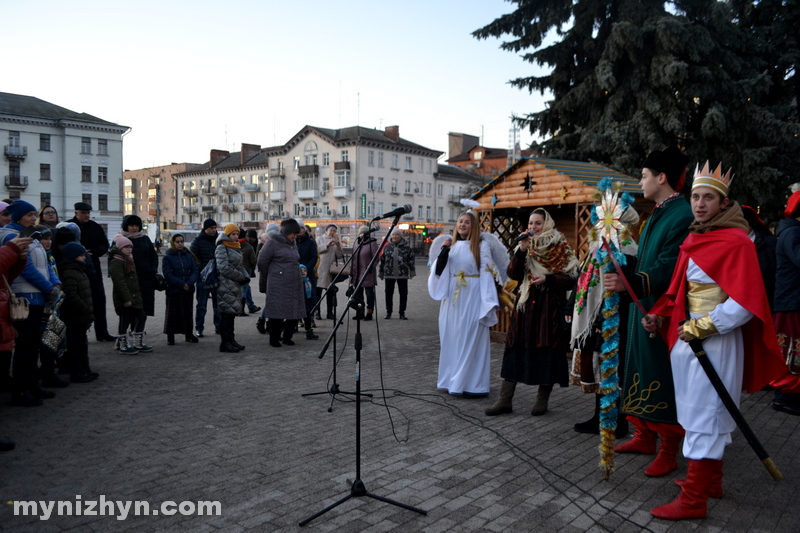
x=121, y=242
x=71, y=226
x=272, y=229
x=299, y=221
x=230, y=228
x=329, y=226
x=3, y=206
x=363, y=229
x=209, y=223
x=19, y=208
x=64, y=235
x=72, y=250
x=253, y=234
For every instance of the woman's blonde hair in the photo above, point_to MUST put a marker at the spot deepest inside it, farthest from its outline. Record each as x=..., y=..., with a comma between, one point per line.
x=474, y=236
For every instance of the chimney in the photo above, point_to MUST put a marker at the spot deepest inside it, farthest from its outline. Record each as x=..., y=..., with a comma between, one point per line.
x=217, y=156
x=393, y=132
x=249, y=151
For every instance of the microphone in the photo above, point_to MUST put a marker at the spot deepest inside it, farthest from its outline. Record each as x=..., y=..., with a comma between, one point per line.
x=523, y=236
x=395, y=212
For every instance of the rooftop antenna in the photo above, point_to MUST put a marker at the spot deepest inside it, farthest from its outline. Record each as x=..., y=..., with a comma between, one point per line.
x=514, y=149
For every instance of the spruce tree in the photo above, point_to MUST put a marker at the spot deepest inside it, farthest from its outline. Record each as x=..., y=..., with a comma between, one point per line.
x=632, y=76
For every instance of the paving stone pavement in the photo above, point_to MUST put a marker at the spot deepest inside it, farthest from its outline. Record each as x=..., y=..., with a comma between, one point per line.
x=187, y=423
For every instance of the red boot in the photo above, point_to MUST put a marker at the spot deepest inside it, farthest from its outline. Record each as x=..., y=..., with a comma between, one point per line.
x=665, y=462
x=691, y=502
x=715, y=487
x=643, y=441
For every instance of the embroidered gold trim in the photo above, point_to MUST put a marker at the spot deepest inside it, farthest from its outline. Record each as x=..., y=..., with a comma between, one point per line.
x=704, y=297
x=637, y=405
x=699, y=328
x=461, y=279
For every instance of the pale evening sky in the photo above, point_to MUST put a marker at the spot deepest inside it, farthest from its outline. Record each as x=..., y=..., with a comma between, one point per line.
x=189, y=76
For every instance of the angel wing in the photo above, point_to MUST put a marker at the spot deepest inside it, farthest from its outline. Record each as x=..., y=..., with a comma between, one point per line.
x=468, y=202
x=499, y=255
x=436, y=247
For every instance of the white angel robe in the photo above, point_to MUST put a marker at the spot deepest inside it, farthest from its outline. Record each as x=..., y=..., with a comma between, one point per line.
x=468, y=310
x=702, y=414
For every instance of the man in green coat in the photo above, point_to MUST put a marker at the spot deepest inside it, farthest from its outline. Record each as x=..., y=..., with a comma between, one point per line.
x=647, y=392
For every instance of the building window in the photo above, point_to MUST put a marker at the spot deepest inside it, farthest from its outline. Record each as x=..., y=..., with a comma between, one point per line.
x=380, y=159
x=44, y=172
x=395, y=163
x=296, y=162
x=478, y=155
x=102, y=175
x=86, y=145
x=421, y=165
x=14, y=195
x=44, y=142
x=345, y=156
x=452, y=215
x=440, y=190
x=440, y=213
x=371, y=158
x=394, y=186
x=326, y=159
x=102, y=202
x=408, y=186
x=102, y=147
x=280, y=165
x=371, y=183
x=86, y=174
x=430, y=185
x=345, y=208
x=428, y=212
x=380, y=209
x=419, y=212
x=408, y=163
x=430, y=166
x=44, y=199
x=298, y=210
x=370, y=208
x=86, y=198
x=13, y=139
x=380, y=184
x=342, y=179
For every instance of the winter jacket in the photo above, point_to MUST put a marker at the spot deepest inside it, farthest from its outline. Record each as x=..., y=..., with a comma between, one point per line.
x=38, y=278
x=146, y=260
x=231, y=277
x=327, y=257
x=766, y=243
x=179, y=268
x=248, y=258
x=11, y=265
x=126, y=284
x=787, y=274
x=360, y=263
x=94, y=239
x=279, y=277
x=397, y=261
x=203, y=247
x=307, y=248
x=77, y=306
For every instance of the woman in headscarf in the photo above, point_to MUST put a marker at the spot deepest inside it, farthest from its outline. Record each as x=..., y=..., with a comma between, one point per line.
x=180, y=269
x=462, y=277
x=146, y=260
x=537, y=341
x=232, y=276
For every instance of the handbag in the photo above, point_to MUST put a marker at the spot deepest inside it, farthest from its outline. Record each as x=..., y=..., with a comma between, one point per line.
x=17, y=307
x=209, y=275
x=335, y=268
x=161, y=283
x=54, y=334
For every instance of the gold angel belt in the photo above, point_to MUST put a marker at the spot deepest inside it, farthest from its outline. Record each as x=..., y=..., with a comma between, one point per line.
x=461, y=279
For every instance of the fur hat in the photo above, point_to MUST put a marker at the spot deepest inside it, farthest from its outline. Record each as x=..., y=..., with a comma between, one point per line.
x=671, y=162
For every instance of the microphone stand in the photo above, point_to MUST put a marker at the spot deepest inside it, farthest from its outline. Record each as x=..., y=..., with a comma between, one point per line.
x=358, y=488
x=334, y=390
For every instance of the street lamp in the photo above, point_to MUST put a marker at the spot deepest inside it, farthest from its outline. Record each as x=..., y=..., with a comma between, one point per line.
x=157, y=180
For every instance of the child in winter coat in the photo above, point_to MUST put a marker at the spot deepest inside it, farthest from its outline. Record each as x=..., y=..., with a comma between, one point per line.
x=127, y=296
x=76, y=311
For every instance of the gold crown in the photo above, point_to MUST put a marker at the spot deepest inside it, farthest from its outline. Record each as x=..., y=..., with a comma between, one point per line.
x=714, y=180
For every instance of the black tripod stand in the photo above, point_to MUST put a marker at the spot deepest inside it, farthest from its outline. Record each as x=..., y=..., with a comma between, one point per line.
x=333, y=289
x=358, y=488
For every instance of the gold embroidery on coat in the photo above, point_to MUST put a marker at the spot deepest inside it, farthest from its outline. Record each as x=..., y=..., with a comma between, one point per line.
x=637, y=405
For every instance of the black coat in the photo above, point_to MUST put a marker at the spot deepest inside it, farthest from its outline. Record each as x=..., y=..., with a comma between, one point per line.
x=307, y=247
x=766, y=243
x=787, y=275
x=77, y=306
x=146, y=260
x=203, y=247
x=94, y=239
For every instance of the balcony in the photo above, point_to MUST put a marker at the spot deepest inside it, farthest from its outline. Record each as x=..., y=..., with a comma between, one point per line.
x=16, y=152
x=341, y=165
x=153, y=212
x=190, y=209
x=278, y=196
x=252, y=187
x=190, y=193
x=277, y=173
x=309, y=170
x=230, y=189
x=408, y=193
x=342, y=192
x=209, y=191
x=252, y=206
x=230, y=208
x=17, y=182
x=454, y=199
x=209, y=209
x=250, y=224
x=307, y=194
x=408, y=216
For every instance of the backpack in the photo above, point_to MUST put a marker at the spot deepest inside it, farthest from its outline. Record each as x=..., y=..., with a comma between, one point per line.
x=209, y=275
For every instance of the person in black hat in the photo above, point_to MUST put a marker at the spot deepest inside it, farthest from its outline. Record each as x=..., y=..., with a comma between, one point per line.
x=203, y=247
x=94, y=239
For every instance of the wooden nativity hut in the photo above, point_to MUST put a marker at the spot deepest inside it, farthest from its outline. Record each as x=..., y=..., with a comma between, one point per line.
x=564, y=188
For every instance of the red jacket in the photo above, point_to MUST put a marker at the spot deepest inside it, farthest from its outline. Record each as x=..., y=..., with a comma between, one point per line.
x=11, y=264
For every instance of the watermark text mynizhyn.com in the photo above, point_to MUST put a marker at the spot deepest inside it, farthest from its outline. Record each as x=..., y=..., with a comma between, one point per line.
x=119, y=509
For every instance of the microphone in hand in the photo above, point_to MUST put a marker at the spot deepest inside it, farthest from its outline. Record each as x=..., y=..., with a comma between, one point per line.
x=523, y=237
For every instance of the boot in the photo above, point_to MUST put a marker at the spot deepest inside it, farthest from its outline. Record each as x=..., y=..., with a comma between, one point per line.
x=261, y=326
x=542, y=398
x=643, y=441
x=225, y=345
x=232, y=336
x=310, y=335
x=191, y=338
x=138, y=342
x=715, y=487
x=622, y=425
x=503, y=404
x=368, y=316
x=275, y=327
x=665, y=462
x=287, y=336
x=244, y=306
x=591, y=426
x=126, y=347
x=170, y=339
x=691, y=502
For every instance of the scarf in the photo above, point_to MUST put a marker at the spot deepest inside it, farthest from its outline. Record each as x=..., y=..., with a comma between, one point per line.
x=549, y=253
x=129, y=265
x=132, y=235
x=732, y=217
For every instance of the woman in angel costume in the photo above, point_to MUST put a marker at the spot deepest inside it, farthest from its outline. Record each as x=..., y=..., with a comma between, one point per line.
x=546, y=268
x=463, y=279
